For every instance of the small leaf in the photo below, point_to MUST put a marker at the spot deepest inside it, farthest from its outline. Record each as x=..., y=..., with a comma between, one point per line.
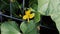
x=37, y=17
x=23, y=27
x=27, y=27
x=33, y=31
x=31, y=26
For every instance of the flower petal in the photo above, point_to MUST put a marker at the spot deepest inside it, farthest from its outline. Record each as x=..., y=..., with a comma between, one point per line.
x=31, y=15
x=27, y=12
x=25, y=17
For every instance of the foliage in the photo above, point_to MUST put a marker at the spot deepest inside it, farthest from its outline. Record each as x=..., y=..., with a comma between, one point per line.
x=39, y=7
x=9, y=27
x=50, y=8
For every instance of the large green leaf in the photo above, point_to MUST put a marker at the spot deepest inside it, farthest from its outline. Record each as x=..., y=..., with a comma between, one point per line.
x=52, y=9
x=9, y=28
x=54, y=12
x=42, y=6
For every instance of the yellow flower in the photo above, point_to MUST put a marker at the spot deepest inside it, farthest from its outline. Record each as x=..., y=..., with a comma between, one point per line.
x=28, y=15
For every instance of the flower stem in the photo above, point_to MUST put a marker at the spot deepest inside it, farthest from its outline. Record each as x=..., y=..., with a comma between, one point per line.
x=28, y=19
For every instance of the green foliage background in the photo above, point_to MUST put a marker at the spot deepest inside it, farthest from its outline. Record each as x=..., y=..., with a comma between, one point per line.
x=39, y=7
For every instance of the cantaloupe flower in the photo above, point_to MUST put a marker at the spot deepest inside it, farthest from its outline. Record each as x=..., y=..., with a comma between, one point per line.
x=28, y=15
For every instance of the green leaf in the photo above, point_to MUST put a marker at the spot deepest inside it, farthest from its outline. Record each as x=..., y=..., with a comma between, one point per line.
x=52, y=9
x=33, y=4
x=43, y=6
x=37, y=17
x=31, y=26
x=28, y=27
x=54, y=12
x=23, y=27
x=9, y=28
x=34, y=31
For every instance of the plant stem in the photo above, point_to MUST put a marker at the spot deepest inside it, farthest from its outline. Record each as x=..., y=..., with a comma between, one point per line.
x=28, y=19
